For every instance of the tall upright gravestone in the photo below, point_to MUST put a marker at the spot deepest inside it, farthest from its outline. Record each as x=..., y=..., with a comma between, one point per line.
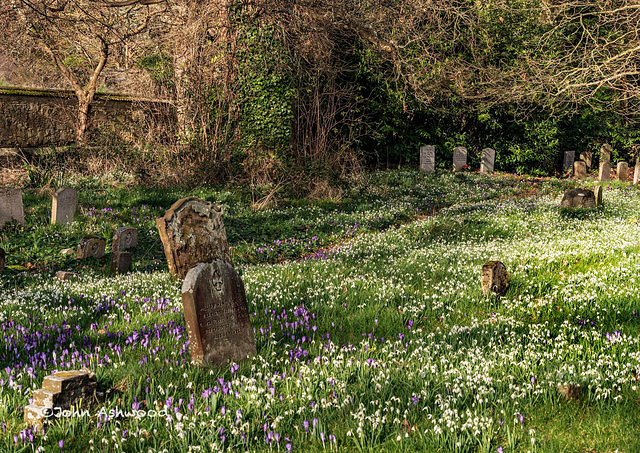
x=579, y=169
x=192, y=232
x=622, y=171
x=217, y=315
x=488, y=160
x=63, y=205
x=428, y=159
x=636, y=171
x=604, y=173
x=459, y=158
x=569, y=159
x=11, y=206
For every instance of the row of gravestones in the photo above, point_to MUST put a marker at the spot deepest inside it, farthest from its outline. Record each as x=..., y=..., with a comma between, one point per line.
x=585, y=161
x=63, y=206
x=428, y=159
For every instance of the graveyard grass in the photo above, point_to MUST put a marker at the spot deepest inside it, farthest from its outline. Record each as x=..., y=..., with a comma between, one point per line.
x=372, y=332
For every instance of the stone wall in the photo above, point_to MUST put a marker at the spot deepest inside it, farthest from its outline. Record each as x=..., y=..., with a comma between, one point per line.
x=40, y=118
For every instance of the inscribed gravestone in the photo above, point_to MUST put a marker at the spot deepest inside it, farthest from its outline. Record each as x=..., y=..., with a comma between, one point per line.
x=578, y=198
x=63, y=206
x=488, y=160
x=428, y=159
x=605, y=153
x=587, y=158
x=622, y=171
x=124, y=238
x=569, y=158
x=91, y=247
x=459, y=157
x=217, y=315
x=493, y=278
x=604, y=173
x=192, y=232
x=579, y=169
x=11, y=206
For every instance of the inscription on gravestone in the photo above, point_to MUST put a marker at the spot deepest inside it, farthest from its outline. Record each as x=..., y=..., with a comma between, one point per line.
x=604, y=173
x=124, y=238
x=579, y=169
x=488, y=159
x=217, y=315
x=192, y=232
x=622, y=171
x=91, y=247
x=428, y=159
x=459, y=158
x=569, y=158
x=63, y=205
x=11, y=206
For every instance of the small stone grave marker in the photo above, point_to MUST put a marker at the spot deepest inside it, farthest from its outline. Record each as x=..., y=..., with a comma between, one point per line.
x=91, y=247
x=604, y=172
x=2, y=258
x=569, y=158
x=598, y=195
x=63, y=275
x=605, y=153
x=63, y=206
x=570, y=391
x=124, y=238
x=217, y=315
x=494, y=278
x=459, y=158
x=578, y=198
x=587, y=158
x=63, y=390
x=192, y=232
x=579, y=169
x=428, y=159
x=11, y=206
x=622, y=171
x=488, y=160
x=120, y=262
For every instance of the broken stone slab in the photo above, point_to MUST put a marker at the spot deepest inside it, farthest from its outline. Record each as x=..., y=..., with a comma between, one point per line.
x=124, y=238
x=68, y=251
x=578, y=198
x=64, y=275
x=91, y=247
x=493, y=278
x=192, y=232
x=598, y=195
x=120, y=262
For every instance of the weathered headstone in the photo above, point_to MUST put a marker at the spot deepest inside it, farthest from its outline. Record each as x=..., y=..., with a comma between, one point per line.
x=192, y=232
x=428, y=159
x=636, y=172
x=91, y=247
x=488, y=160
x=120, y=262
x=604, y=173
x=579, y=169
x=578, y=198
x=587, y=158
x=494, y=278
x=217, y=315
x=570, y=391
x=622, y=171
x=598, y=194
x=11, y=206
x=63, y=275
x=63, y=206
x=569, y=158
x=459, y=158
x=124, y=238
x=63, y=390
x=2, y=258
x=605, y=152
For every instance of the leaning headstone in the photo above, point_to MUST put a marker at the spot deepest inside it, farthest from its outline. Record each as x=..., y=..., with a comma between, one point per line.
x=120, y=262
x=63, y=391
x=578, y=198
x=604, y=173
x=488, y=160
x=124, y=238
x=587, y=158
x=11, y=206
x=459, y=158
x=622, y=171
x=569, y=158
x=63, y=206
x=579, y=170
x=2, y=258
x=63, y=275
x=598, y=194
x=428, y=159
x=605, y=153
x=217, y=315
x=494, y=278
x=192, y=232
x=91, y=247
x=636, y=172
